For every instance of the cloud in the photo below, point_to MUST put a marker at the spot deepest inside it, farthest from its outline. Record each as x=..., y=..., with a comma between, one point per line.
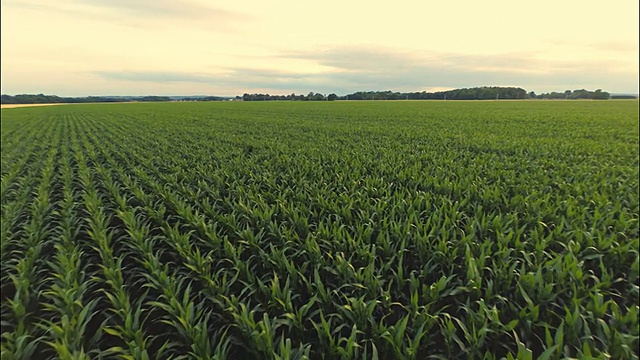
x=47, y=7
x=249, y=78
x=361, y=69
x=189, y=10
x=384, y=68
x=156, y=76
x=141, y=13
x=243, y=79
x=393, y=61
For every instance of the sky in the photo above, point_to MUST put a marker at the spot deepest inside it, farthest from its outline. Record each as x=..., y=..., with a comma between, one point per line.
x=227, y=48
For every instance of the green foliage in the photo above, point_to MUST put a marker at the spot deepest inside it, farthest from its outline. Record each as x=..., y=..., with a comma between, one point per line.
x=309, y=230
x=54, y=99
x=477, y=93
x=577, y=94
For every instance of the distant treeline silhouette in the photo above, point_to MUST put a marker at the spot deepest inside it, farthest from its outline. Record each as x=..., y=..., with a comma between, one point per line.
x=54, y=99
x=51, y=99
x=476, y=93
x=577, y=94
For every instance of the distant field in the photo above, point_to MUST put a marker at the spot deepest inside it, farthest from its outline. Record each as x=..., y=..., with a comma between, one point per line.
x=277, y=230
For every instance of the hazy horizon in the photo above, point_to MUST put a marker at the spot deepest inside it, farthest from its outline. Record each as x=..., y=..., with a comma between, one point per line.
x=236, y=95
x=124, y=48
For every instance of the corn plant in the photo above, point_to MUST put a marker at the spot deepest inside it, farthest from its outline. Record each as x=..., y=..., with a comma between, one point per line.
x=303, y=230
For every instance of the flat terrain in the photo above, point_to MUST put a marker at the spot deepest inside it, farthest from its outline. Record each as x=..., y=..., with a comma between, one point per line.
x=391, y=230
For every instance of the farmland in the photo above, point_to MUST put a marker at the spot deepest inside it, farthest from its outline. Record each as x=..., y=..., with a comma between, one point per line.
x=337, y=230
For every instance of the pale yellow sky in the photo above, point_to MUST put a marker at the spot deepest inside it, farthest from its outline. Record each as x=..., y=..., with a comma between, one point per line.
x=128, y=47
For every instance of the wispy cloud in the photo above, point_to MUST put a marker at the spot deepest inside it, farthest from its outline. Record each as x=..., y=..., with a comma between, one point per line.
x=189, y=10
x=356, y=69
x=383, y=68
x=239, y=77
x=133, y=13
x=393, y=61
x=156, y=76
x=255, y=46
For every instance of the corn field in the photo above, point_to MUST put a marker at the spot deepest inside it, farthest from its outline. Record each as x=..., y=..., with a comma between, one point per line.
x=340, y=230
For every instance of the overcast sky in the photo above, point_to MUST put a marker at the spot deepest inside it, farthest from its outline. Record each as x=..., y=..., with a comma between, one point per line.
x=193, y=47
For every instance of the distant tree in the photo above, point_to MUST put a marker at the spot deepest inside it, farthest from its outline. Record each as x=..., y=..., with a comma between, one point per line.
x=53, y=99
x=601, y=95
x=154, y=98
x=577, y=94
x=477, y=93
x=8, y=99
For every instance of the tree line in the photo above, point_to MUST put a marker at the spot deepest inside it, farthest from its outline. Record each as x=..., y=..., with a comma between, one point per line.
x=476, y=93
x=479, y=93
x=291, y=97
x=575, y=95
x=54, y=99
